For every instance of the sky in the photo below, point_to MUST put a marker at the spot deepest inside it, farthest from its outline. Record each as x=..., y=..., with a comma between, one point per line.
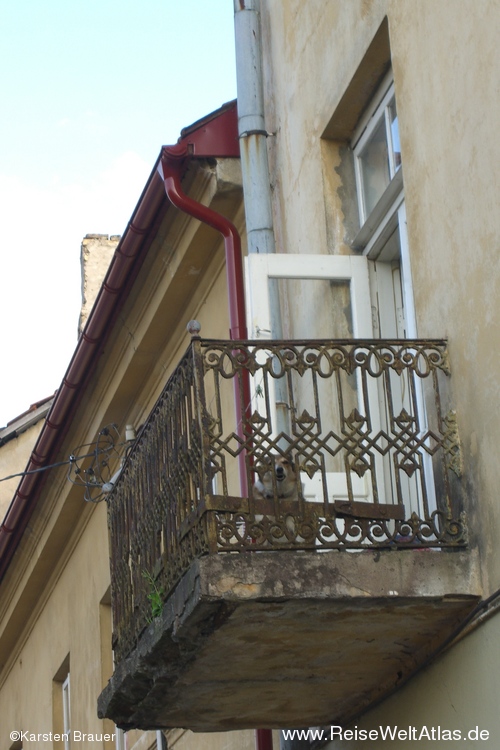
x=90, y=91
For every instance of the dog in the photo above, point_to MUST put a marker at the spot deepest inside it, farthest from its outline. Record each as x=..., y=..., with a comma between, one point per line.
x=279, y=478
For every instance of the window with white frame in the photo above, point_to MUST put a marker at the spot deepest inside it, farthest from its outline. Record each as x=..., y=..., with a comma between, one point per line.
x=383, y=237
x=161, y=743
x=66, y=711
x=119, y=739
x=61, y=706
x=377, y=150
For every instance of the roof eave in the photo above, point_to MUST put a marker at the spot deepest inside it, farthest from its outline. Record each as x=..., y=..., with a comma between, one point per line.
x=217, y=136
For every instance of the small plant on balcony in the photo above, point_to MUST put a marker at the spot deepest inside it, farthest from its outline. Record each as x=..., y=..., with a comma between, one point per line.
x=156, y=595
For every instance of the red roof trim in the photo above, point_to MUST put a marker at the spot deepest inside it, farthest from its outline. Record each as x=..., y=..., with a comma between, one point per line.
x=222, y=137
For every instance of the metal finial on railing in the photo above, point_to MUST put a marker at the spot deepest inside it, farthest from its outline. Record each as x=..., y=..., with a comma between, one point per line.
x=193, y=327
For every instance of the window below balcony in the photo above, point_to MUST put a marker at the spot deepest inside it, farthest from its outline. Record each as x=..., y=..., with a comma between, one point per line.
x=61, y=706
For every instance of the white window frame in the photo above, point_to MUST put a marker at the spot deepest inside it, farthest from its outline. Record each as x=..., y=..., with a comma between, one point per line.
x=387, y=215
x=66, y=706
x=262, y=267
x=377, y=111
x=390, y=211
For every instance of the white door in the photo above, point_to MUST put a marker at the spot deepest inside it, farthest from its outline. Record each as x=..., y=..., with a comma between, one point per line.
x=353, y=270
x=394, y=317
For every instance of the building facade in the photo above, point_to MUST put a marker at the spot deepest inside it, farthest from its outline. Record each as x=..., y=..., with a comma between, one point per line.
x=342, y=233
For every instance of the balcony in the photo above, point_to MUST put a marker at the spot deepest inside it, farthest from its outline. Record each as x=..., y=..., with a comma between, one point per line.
x=239, y=608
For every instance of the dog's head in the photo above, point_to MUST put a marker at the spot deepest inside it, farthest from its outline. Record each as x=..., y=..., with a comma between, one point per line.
x=283, y=468
x=278, y=472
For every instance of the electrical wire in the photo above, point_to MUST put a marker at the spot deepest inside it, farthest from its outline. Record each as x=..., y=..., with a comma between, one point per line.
x=69, y=460
x=97, y=474
x=94, y=476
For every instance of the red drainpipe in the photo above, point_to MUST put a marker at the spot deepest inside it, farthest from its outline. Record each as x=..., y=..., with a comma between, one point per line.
x=171, y=167
x=264, y=739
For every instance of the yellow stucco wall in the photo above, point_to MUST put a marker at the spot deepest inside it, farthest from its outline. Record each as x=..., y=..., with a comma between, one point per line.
x=14, y=457
x=65, y=621
x=458, y=693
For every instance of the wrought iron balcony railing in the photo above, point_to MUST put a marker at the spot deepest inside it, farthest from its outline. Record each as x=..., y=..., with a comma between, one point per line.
x=366, y=430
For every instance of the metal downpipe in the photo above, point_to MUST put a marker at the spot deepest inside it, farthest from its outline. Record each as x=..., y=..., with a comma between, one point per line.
x=254, y=164
x=256, y=183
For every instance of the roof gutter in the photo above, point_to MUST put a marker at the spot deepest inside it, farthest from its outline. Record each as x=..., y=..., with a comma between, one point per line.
x=216, y=129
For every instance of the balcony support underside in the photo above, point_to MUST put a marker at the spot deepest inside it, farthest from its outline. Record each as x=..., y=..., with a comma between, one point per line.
x=277, y=639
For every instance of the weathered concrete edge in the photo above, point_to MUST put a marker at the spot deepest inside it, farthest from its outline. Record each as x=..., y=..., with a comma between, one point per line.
x=140, y=672
x=284, y=575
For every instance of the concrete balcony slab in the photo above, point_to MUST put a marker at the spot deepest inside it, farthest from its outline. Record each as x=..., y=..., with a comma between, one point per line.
x=289, y=639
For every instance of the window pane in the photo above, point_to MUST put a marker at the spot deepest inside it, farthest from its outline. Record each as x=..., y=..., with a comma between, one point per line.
x=374, y=160
x=396, y=148
x=66, y=712
x=319, y=309
x=316, y=308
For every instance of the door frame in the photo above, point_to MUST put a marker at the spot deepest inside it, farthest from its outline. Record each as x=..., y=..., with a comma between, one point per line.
x=262, y=267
